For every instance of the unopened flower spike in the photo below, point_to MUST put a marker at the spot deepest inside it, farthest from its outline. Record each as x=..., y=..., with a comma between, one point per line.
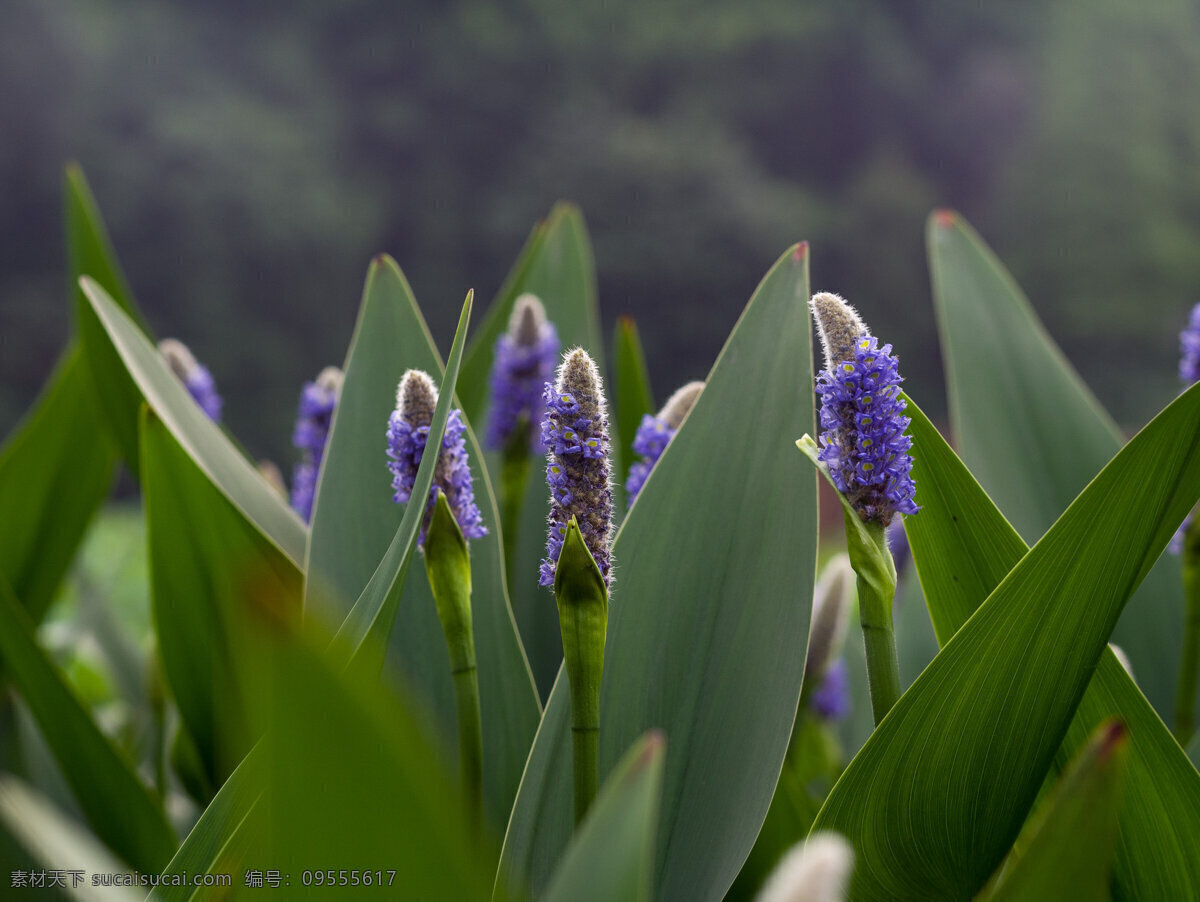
x=194, y=375
x=816, y=869
x=524, y=361
x=656, y=432
x=407, y=433
x=318, y=400
x=575, y=433
x=862, y=415
x=826, y=683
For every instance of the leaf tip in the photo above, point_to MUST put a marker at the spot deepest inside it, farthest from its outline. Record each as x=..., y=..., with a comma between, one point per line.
x=944, y=218
x=800, y=251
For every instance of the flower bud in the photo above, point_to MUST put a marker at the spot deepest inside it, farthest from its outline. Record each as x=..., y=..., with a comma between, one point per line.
x=318, y=400
x=195, y=376
x=815, y=870
x=524, y=362
x=656, y=432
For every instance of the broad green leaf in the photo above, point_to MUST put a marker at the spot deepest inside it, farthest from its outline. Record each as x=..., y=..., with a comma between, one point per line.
x=90, y=253
x=1031, y=431
x=205, y=560
x=202, y=439
x=556, y=265
x=1066, y=849
x=1193, y=750
x=101, y=777
x=963, y=548
x=55, y=472
x=632, y=397
x=709, y=619
x=611, y=859
x=956, y=753
x=58, y=842
x=355, y=518
x=349, y=780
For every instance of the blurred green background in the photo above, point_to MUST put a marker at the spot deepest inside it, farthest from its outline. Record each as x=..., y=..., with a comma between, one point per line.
x=250, y=160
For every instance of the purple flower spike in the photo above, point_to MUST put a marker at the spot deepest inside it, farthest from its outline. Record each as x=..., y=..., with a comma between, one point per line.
x=1189, y=349
x=195, y=376
x=524, y=362
x=656, y=432
x=575, y=432
x=318, y=400
x=408, y=432
x=831, y=701
x=863, y=442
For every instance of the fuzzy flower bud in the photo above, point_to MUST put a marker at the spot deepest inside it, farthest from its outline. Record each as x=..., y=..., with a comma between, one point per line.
x=830, y=616
x=575, y=433
x=524, y=362
x=831, y=701
x=318, y=400
x=862, y=442
x=194, y=375
x=408, y=431
x=656, y=432
x=815, y=870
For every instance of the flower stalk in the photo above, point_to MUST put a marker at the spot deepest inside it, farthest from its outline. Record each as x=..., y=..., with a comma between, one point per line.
x=448, y=566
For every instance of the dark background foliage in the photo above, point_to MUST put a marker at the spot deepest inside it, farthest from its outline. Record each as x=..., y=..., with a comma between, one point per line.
x=251, y=158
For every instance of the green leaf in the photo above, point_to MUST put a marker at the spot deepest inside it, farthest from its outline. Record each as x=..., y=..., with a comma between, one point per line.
x=55, y=472
x=56, y=841
x=1031, y=431
x=556, y=265
x=202, y=439
x=963, y=548
x=960, y=762
x=709, y=617
x=90, y=253
x=212, y=835
x=632, y=397
x=611, y=859
x=1066, y=850
x=205, y=561
x=100, y=776
x=349, y=780
x=354, y=519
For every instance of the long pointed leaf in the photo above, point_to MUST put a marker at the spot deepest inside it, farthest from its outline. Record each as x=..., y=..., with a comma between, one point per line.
x=355, y=518
x=90, y=253
x=204, y=442
x=55, y=472
x=1031, y=431
x=205, y=559
x=963, y=548
x=959, y=761
x=101, y=778
x=1066, y=850
x=709, y=616
x=612, y=857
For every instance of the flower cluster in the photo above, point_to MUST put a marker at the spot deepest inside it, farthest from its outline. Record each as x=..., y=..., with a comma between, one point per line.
x=194, y=375
x=408, y=432
x=524, y=362
x=831, y=701
x=575, y=433
x=862, y=442
x=1189, y=349
x=655, y=432
x=318, y=400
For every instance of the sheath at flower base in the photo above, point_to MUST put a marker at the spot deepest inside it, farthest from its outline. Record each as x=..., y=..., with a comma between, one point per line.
x=578, y=560
x=318, y=400
x=656, y=432
x=864, y=452
x=451, y=518
x=407, y=432
x=195, y=376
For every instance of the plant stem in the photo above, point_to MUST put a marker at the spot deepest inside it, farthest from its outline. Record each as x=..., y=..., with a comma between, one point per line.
x=448, y=566
x=876, y=581
x=1189, y=660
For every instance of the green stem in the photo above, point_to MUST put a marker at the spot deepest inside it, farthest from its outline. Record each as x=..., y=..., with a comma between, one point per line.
x=582, y=598
x=1189, y=661
x=448, y=566
x=514, y=479
x=876, y=581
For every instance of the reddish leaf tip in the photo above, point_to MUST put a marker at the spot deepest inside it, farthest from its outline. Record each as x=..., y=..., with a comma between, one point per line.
x=945, y=219
x=801, y=251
